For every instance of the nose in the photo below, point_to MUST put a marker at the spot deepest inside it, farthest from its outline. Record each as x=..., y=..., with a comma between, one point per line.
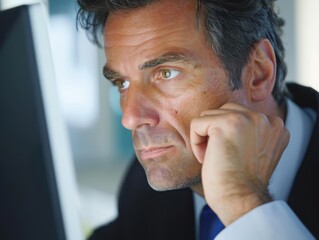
x=138, y=107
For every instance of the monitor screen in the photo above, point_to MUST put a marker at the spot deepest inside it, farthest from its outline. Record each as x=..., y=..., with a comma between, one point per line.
x=38, y=196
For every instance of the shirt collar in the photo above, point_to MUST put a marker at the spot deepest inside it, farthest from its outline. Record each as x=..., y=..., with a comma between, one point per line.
x=300, y=125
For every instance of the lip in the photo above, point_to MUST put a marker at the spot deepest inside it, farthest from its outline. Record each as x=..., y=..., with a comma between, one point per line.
x=154, y=152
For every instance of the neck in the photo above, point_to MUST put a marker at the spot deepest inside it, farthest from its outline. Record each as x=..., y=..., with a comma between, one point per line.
x=198, y=188
x=270, y=107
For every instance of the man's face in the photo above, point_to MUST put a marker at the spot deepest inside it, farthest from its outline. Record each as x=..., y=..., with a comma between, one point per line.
x=167, y=75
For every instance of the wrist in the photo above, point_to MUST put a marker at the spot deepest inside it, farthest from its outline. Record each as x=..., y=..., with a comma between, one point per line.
x=232, y=205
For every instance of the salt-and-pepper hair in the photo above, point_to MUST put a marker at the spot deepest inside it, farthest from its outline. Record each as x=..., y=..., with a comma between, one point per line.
x=232, y=28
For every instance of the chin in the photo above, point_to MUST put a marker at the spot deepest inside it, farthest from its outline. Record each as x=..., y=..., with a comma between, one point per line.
x=165, y=187
x=162, y=181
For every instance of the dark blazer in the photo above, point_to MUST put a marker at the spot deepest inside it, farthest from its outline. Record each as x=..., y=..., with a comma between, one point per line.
x=145, y=214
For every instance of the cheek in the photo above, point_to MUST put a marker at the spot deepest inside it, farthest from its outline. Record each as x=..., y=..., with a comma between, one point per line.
x=192, y=105
x=181, y=112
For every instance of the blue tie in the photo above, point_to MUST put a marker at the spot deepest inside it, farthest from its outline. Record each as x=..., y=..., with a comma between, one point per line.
x=210, y=225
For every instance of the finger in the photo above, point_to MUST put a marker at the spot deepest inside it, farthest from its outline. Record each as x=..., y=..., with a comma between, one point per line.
x=228, y=107
x=201, y=130
x=279, y=138
x=283, y=137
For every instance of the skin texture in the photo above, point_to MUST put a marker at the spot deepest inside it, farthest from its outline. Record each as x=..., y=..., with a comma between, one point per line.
x=187, y=126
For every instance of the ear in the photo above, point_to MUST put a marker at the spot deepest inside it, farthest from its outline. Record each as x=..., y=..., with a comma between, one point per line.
x=262, y=69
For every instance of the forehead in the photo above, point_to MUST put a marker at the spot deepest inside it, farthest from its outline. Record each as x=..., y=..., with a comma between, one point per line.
x=159, y=17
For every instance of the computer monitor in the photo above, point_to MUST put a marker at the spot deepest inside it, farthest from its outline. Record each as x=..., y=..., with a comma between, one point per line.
x=38, y=196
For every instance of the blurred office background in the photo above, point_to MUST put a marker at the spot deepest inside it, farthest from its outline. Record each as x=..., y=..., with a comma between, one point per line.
x=101, y=148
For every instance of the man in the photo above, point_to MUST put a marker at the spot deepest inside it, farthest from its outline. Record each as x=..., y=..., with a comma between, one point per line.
x=201, y=85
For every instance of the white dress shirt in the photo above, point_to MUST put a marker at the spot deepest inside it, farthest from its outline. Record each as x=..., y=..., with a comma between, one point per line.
x=275, y=220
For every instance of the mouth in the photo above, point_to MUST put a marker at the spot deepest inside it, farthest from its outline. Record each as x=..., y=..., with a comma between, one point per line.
x=154, y=152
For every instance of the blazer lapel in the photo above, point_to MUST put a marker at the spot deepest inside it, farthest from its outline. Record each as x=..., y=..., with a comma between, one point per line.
x=304, y=197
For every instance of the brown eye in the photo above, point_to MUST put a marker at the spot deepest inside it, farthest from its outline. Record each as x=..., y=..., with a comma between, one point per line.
x=169, y=73
x=166, y=73
x=122, y=84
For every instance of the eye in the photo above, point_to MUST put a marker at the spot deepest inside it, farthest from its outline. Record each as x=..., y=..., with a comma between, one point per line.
x=121, y=84
x=169, y=73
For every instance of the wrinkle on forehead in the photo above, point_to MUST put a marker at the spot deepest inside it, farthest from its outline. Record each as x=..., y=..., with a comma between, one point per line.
x=137, y=36
x=158, y=16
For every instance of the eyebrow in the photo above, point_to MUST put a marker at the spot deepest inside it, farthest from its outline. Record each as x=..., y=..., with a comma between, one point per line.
x=167, y=57
x=111, y=75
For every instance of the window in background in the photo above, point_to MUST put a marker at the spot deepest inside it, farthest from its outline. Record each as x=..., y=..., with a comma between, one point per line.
x=307, y=37
x=101, y=147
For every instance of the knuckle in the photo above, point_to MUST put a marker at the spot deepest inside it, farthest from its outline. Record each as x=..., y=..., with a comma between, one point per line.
x=237, y=120
x=278, y=123
x=260, y=119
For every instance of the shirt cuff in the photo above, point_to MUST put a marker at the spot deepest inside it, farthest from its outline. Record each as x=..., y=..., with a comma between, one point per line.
x=274, y=220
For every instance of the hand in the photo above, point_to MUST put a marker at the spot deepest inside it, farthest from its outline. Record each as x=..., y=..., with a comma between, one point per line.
x=239, y=150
